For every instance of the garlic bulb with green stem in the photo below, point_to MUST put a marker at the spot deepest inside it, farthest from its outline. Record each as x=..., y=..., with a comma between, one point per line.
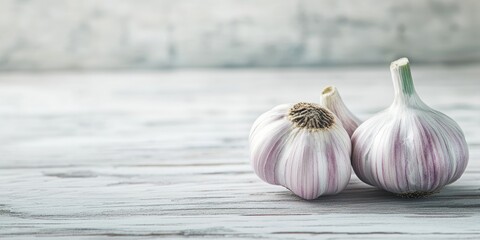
x=302, y=147
x=332, y=101
x=409, y=149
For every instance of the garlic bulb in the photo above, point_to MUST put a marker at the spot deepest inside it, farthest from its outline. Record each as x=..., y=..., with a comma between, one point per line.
x=332, y=101
x=409, y=149
x=302, y=147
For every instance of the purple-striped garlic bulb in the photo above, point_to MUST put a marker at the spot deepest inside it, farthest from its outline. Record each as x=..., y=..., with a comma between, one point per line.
x=409, y=149
x=332, y=101
x=302, y=147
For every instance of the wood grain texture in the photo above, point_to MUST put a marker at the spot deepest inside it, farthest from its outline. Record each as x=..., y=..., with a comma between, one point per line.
x=165, y=155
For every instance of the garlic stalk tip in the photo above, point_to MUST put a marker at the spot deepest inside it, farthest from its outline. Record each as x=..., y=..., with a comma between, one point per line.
x=331, y=100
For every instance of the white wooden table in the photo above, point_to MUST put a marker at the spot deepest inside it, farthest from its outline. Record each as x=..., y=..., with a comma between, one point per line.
x=164, y=155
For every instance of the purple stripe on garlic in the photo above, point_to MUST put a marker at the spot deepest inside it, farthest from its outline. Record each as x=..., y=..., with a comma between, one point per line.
x=302, y=147
x=409, y=149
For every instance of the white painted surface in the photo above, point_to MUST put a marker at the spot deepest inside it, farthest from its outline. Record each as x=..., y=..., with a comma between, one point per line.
x=152, y=34
x=164, y=155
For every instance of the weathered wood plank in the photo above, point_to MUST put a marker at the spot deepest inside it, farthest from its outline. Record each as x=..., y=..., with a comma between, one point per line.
x=165, y=155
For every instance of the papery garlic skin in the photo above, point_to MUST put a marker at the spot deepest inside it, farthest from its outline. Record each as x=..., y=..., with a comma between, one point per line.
x=331, y=99
x=302, y=147
x=409, y=149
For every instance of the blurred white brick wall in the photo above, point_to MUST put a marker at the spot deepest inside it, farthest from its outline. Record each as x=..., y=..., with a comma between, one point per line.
x=115, y=34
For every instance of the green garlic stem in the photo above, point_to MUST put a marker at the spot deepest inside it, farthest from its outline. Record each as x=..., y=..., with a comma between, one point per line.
x=402, y=77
